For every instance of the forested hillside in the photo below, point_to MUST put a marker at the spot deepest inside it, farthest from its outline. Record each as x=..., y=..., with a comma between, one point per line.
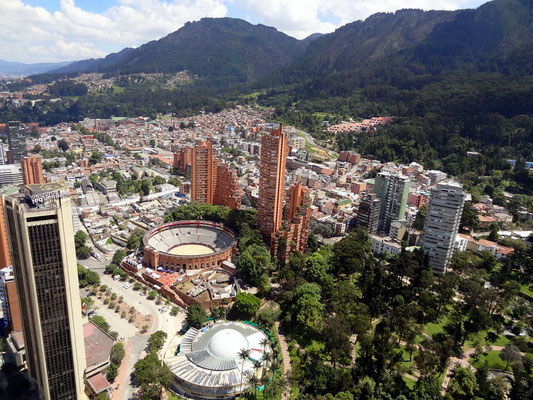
x=212, y=48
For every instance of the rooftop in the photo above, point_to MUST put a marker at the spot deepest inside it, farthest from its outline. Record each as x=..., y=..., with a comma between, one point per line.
x=98, y=344
x=98, y=383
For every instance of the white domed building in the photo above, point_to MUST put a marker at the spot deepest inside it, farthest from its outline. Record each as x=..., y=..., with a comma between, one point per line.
x=209, y=364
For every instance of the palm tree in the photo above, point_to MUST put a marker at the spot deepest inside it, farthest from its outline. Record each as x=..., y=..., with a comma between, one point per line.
x=257, y=366
x=273, y=367
x=243, y=355
x=281, y=384
x=264, y=343
x=264, y=382
x=265, y=358
x=253, y=382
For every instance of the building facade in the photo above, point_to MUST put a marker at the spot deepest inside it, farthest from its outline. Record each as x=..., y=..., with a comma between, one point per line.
x=183, y=158
x=228, y=191
x=272, y=168
x=32, y=170
x=442, y=223
x=3, y=155
x=295, y=230
x=16, y=141
x=5, y=255
x=392, y=190
x=203, y=177
x=41, y=235
x=368, y=213
x=213, y=182
x=11, y=174
x=9, y=300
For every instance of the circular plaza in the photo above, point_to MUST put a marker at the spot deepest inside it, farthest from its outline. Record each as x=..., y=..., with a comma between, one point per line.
x=217, y=361
x=188, y=245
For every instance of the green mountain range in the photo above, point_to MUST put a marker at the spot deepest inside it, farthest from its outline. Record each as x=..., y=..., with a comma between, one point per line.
x=497, y=34
x=210, y=48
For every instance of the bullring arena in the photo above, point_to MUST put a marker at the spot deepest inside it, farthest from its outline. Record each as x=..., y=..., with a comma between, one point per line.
x=188, y=245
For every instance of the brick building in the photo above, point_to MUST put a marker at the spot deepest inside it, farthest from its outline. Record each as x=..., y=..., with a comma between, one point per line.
x=296, y=225
x=228, y=191
x=5, y=258
x=182, y=158
x=204, y=171
x=32, y=170
x=272, y=167
x=213, y=182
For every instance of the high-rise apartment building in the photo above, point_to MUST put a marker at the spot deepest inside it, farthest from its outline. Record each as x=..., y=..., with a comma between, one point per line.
x=32, y=170
x=203, y=177
x=5, y=257
x=228, y=191
x=40, y=231
x=16, y=141
x=368, y=213
x=295, y=231
x=442, y=223
x=274, y=151
x=392, y=190
x=182, y=158
x=213, y=182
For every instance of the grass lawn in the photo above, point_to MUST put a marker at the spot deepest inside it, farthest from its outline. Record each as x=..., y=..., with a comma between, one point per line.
x=527, y=289
x=481, y=338
x=409, y=382
x=315, y=346
x=501, y=341
x=118, y=89
x=493, y=360
x=431, y=328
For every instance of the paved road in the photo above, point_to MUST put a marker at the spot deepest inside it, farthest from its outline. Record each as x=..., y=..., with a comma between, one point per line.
x=312, y=141
x=171, y=325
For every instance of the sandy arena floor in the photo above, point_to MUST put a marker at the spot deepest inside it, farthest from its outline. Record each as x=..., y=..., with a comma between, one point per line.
x=191, y=250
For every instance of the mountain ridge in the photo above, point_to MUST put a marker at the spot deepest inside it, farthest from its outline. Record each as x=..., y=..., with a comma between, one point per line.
x=233, y=50
x=211, y=47
x=11, y=68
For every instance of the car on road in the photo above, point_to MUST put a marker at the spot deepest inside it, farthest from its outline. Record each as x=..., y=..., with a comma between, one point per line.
x=127, y=285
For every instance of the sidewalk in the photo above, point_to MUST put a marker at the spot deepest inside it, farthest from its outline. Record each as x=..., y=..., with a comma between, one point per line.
x=286, y=362
x=120, y=381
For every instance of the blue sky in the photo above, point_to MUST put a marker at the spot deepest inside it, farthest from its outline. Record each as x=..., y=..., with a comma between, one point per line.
x=65, y=30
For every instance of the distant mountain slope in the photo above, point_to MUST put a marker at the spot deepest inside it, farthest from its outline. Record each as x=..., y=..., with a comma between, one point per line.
x=427, y=41
x=211, y=48
x=94, y=64
x=8, y=68
x=474, y=36
x=380, y=35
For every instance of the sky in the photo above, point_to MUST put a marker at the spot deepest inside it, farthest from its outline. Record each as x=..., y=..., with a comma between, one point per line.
x=66, y=30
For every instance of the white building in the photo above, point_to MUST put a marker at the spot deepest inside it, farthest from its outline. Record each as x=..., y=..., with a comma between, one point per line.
x=442, y=223
x=381, y=245
x=11, y=174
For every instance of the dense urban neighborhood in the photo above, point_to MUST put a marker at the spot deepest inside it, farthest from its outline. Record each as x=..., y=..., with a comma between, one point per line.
x=232, y=212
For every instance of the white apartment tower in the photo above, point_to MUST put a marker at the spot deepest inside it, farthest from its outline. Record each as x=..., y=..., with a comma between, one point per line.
x=442, y=223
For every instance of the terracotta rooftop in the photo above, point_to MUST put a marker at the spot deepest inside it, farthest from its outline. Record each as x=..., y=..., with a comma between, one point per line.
x=98, y=383
x=98, y=344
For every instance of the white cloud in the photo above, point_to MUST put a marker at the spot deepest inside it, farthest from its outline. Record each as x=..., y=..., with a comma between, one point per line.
x=300, y=18
x=33, y=34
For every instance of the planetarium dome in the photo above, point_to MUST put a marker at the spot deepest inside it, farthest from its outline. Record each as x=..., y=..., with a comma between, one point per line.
x=227, y=344
x=208, y=364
